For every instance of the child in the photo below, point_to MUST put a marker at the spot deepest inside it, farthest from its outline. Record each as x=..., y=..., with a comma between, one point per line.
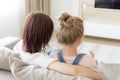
x=70, y=36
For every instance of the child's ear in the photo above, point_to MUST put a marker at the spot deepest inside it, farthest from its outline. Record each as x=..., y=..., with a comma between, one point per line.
x=80, y=40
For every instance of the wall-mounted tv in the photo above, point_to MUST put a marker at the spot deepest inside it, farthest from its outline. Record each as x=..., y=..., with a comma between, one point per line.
x=110, y=4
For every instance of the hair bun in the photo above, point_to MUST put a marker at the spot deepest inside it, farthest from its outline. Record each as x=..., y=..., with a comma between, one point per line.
x=66, y=19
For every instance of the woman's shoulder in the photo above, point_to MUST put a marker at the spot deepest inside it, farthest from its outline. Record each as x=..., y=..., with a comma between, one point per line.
x=38, y=58
x=18, y=47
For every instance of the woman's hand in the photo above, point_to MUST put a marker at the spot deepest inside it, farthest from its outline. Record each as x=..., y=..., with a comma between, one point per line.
x=87, y=72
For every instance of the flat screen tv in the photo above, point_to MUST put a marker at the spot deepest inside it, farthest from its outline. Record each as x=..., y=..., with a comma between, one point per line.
x=109, y=4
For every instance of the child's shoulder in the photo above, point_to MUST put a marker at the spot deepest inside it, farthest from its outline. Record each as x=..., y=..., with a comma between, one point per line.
x=89, y=61
x=53, y=53
x=87, y=57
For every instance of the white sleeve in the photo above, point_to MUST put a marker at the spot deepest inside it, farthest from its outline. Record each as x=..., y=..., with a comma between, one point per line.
x=37, y=58
x=41, y=60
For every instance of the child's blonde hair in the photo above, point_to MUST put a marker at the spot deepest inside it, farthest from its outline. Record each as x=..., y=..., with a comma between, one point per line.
x=71, y=29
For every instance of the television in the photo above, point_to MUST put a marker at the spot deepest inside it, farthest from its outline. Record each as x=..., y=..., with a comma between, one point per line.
x=108, y=4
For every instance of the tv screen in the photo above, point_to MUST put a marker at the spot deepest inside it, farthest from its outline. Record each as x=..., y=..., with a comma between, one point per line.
x=110, y=4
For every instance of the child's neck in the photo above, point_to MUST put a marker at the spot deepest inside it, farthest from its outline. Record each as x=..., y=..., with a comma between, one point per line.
x=69, y=51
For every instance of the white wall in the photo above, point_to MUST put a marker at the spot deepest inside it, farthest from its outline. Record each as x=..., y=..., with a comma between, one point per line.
x=98, y=22
x=59, y=6
x=11, y=17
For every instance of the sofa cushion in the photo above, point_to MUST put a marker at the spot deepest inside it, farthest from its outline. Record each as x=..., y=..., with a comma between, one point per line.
x=9, y=41
x=6, y=75
x=111, y=71
x=4, y=57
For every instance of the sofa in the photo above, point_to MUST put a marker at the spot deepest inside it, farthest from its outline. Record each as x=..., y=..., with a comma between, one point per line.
x=8, y=42
x=12, y=68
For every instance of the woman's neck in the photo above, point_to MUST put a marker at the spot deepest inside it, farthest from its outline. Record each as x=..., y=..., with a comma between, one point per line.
x=69, y=51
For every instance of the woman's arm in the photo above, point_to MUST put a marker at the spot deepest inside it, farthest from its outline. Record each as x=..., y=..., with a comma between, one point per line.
x=75, y=70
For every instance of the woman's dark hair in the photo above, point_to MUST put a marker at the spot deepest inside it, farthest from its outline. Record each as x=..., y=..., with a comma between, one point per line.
x=38, y=28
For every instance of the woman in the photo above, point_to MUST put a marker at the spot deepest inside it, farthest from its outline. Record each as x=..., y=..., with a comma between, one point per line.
x=38, y=29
